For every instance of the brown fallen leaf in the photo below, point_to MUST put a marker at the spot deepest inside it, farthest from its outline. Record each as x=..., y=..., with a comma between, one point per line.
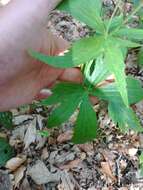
x=123, y=188
x=30, y=135
x=15, y=163
x=64, y=137
x=19, y=174
x=132, y=151
x=3, y=135
x=41, y=175
x=70, y=165
x=87, y=148
x=45, y=153
x=106, y=169
x=25, y=185
x=67, y=182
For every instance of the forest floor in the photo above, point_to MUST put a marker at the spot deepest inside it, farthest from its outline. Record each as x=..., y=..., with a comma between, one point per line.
x=111, y=162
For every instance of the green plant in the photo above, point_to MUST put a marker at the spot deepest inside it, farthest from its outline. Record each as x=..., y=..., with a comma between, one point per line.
x=140, y=57
x=6, y=119
x=44, y=133
x=6, y=151
x=98, y=56
x=141, y=164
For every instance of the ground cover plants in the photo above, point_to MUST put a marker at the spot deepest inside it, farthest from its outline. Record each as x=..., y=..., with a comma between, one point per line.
x=101, y=55
x=98, y=56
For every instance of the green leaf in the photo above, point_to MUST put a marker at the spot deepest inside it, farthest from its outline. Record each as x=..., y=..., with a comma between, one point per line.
x=61, y=92
x=135, y=90
x=63, y=112
x=140, y=57
x=64, y=61
x=67, y=98
x=115, y=64
x=130, y=33
x=107, y=93
x=141, y=163
x=86, y=124
x=89, y=48
x=124, y=43
x=99, y=70
x=6, y=119
x=44, y=133
x=141, y=170
x=141, y=158
x=86, y=11
x=116, y=22
x=111, y=93
x=124, y=117
x=6, y=151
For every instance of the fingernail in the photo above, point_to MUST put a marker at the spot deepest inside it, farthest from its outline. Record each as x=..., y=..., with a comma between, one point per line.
x=44, y=93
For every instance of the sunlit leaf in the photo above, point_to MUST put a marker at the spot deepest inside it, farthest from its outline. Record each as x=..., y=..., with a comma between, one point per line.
x=115, y=64
x=96, y=70
x=86, y=11
x=89, y=48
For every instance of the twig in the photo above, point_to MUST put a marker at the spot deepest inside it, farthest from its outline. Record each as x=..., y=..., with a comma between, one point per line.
x=118, y=170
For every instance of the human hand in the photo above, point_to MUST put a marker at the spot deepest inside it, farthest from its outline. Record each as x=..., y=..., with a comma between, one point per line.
x=23, y=27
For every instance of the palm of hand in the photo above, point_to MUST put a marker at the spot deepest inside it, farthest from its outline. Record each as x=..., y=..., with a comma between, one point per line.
x=21, y=77
x=21, y=81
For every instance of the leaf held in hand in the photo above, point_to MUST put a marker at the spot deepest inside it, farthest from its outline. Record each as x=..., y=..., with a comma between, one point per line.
x=89, y=48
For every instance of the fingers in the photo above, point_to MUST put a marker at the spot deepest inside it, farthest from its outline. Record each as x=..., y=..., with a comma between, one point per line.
x=68, y=75
x=43, y=94
x=53, y=45
x=4, y=2
x=71, y=75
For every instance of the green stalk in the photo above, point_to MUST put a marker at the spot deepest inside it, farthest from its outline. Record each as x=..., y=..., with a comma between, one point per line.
x=112, y=16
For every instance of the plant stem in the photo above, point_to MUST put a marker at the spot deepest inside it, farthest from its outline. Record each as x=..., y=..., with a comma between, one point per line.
x=113, y=14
